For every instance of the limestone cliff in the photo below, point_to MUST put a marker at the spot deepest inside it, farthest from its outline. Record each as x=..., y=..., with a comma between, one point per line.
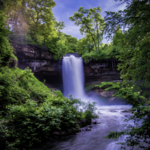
x=42, y=63
x=101, y=70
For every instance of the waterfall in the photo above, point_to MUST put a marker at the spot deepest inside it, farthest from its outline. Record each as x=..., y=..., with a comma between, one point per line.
x=73, y=76
x=111, y=117
x=73, y=80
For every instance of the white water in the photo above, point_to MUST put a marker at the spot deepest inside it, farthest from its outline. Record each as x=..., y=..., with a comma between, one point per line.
x=73, y=76
x=111, y=118
x=73, y=79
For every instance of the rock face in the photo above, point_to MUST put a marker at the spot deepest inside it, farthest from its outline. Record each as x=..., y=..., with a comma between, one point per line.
x=42, y=63
x=103, y=93
x=100, y=71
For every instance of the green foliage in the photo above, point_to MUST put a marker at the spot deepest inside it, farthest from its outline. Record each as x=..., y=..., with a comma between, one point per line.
x=59, y=26
x=105, y=51
x=30, y=18
x=61, y=45
x=57, y=46
x=109, y=85
x=17, y=86
x=38, y=14
x=32, y=22
x=129, y=91
x=91, y=22
x=131, y=47
x=132, y=44
x=89, y=113
x=138, y=134
x=31, y=121
x=72, y=43
x=5, y=48
x=84, y=45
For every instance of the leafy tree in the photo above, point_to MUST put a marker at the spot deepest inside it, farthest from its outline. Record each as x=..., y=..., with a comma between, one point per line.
x=84, y=45
x=33, y=22
x=134, y=42
x=40, y=19
x=6, y=51
x=91, y=22
x=15, y=10
x=30, y=19
x=58, y=45
x=72, y=43
x=106, y=51
x=59, y=26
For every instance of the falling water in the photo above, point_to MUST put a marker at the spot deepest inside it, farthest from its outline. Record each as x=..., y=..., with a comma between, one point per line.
x=73, y=79
x=73, y=76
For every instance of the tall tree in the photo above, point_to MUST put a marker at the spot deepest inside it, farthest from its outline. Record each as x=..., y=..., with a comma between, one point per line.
x=91, y=22
x=133, y=42
x=15, y=10
x=6, y=52
x=31, y=17
x=40, y=18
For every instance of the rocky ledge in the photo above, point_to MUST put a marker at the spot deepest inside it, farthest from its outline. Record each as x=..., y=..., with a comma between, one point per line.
x=41, y=61
x=100, y=71
x=45, y=67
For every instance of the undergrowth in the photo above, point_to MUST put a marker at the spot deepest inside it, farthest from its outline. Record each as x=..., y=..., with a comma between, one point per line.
x=30, y=111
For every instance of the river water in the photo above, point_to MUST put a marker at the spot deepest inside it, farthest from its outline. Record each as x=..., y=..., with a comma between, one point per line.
x=111, y=117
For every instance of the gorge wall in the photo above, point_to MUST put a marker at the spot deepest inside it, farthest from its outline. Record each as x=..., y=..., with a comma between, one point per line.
x=42, y=63
x=101, y=70
x=44, y=67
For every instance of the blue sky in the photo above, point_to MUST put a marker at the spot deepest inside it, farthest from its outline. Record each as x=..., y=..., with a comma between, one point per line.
x=65, y=8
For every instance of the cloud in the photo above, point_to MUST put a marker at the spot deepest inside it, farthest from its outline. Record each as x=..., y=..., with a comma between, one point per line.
x=111, y=5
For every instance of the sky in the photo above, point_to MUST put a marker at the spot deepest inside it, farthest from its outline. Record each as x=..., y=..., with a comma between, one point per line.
x=65, y=8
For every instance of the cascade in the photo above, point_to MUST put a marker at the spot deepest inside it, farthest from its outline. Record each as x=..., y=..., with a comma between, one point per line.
x=73, y=80
x=73, y=76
